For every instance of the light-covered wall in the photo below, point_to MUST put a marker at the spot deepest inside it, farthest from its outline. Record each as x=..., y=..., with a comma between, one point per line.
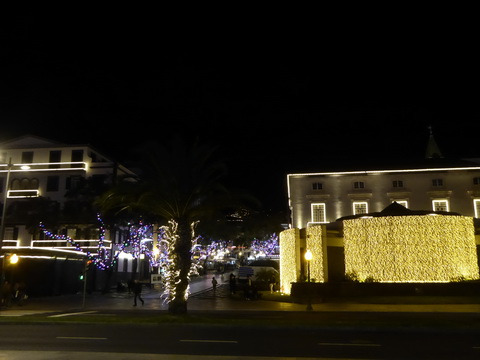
x=411, y=248
x=293, y=244
x=316, y=243
x=289, y=253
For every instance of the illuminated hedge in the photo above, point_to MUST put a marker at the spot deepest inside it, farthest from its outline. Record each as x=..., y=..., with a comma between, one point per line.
x=288, y=256
x=411, y=248
x=315, y=245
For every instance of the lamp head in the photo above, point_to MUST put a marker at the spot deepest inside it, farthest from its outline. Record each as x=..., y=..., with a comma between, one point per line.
x=308, y=255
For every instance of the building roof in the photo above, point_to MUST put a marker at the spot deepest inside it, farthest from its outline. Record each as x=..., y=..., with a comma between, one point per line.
x=403, y=165
x=29, y=141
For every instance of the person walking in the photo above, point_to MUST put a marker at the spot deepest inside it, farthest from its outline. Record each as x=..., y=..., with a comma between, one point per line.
x=137, y=290
x=214, y=285
x=233, y=284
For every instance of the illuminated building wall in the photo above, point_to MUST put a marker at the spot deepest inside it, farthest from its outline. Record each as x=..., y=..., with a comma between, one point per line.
x=289, y=258
x=292, y=248
x=345, y=193
x=411, y=248
x=316, y=243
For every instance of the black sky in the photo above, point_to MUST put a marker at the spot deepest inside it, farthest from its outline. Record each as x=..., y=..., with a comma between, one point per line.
x=277, y=99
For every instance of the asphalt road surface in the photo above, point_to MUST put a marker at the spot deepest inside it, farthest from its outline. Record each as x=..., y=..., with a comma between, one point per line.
x=233, y=341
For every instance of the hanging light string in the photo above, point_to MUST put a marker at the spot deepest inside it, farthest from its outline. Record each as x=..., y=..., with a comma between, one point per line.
x=137, y=241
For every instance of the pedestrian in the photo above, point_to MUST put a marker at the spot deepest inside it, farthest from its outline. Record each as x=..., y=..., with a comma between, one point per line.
x=233, y=284
x=19, y=294
x=273, y=281
x=137, y=290
x=247, y=291
x=214, y=284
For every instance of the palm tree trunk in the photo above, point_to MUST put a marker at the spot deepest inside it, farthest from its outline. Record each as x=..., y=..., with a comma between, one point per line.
x=184, y=260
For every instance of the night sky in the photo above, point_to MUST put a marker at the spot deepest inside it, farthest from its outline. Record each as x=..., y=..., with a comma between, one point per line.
x=276, y=99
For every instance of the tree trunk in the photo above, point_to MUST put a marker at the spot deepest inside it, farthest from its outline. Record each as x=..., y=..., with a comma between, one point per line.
x=184, y=260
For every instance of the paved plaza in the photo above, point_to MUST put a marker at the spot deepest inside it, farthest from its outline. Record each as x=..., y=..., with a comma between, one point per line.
x=203, y=298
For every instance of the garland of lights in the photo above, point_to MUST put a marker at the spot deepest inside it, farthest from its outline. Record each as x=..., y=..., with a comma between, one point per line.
x=101, y=260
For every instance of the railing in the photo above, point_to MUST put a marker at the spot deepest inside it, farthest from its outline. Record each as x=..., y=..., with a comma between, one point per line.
x=55, y=166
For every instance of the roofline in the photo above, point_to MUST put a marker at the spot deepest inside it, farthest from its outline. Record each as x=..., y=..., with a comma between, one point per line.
x=367, y=172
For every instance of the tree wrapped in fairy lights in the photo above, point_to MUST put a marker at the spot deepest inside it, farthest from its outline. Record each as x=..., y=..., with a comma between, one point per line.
x=103, y=259
x=171, y=268
x=267, y=247
x=180, y=185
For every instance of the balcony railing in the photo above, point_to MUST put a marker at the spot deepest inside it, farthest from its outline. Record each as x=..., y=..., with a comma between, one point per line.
x=51, y=166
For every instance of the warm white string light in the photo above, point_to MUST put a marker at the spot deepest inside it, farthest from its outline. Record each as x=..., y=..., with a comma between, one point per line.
x=411, y=248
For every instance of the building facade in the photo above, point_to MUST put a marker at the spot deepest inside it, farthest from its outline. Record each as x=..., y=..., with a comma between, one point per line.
x=53, y=183
x=433, y=184
x=369, y=196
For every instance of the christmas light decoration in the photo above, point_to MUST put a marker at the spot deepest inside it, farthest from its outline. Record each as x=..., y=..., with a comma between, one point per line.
x=411, y=248
x=169, y=265
x=314, y=243
x=267, y=247
x=136, y=245
x=288, y=256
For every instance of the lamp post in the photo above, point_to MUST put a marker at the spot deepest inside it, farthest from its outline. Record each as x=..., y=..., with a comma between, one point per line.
x=308, y=258
x=4, y=212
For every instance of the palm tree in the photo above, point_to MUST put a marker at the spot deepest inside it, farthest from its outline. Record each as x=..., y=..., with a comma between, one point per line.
x=181, y=184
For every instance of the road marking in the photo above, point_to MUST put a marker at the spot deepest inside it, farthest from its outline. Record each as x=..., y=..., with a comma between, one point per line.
x=211, y=341
x=81, y=338
x=348, y=344
x=72, y=314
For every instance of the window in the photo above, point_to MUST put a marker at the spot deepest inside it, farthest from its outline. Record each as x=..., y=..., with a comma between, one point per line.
x=440, y=205
x=53, y=183
x=318, y=213
x=476, y=180
x=402, y=202
x=74, y=183
x=358, y=185
x=360, y=208
x=437, y=182
x=77, y=156
x=476, y=205
x=27, y=157
x=397, y=184
x=24, y=184
x=317, y=186
x=55, y=157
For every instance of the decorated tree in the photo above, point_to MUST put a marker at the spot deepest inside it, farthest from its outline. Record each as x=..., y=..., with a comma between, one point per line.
x=179, y=186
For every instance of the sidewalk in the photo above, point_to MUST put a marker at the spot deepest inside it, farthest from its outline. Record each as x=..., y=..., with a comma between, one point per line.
x=203, y=299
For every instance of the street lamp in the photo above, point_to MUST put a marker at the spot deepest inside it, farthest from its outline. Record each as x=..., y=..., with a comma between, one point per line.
x=13, y=259
x=308, y=258
x=4, y=212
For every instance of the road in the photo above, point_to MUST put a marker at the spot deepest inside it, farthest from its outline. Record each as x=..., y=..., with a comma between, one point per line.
x=236, y=341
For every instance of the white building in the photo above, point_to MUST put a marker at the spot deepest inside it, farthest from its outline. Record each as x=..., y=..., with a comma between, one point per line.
x=325, y=196
x=54, y=183
x=434, y=183
x=426, y=186
x=41, y=168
